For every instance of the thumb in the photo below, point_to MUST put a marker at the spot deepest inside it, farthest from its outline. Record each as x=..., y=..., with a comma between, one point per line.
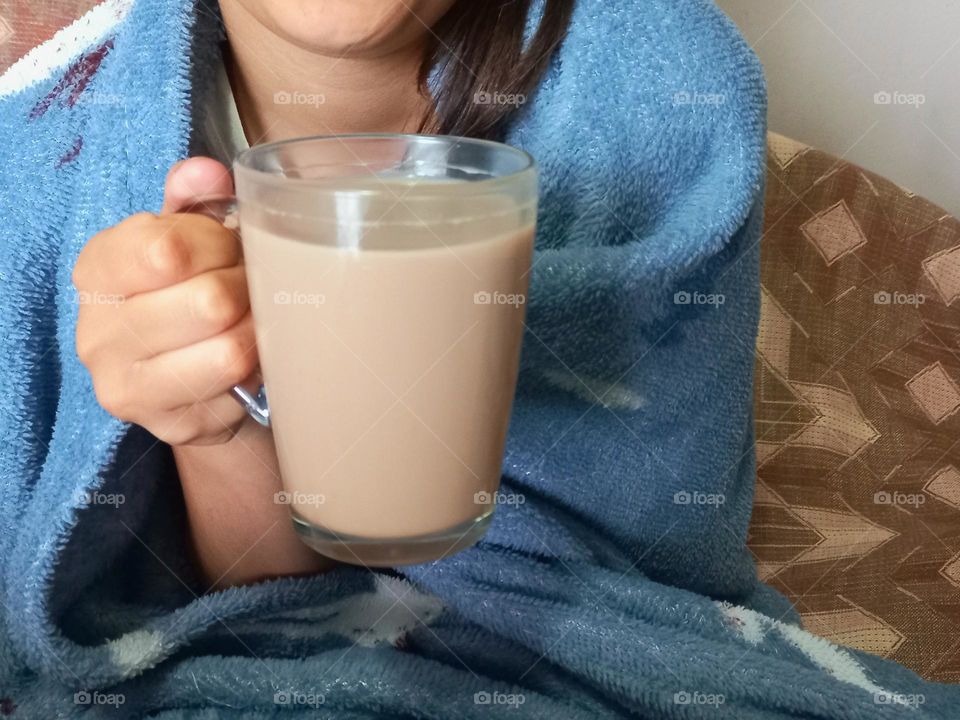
x=190, y=181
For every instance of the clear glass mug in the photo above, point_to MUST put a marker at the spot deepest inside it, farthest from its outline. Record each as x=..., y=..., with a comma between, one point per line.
x=388, y=278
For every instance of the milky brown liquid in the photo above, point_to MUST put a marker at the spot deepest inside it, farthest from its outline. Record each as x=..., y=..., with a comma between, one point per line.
x=390, y=372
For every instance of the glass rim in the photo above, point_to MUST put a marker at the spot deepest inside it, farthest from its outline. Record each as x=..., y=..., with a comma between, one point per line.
x=245, y=160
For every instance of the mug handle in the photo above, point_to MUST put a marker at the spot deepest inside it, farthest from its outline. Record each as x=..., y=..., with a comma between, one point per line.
x=223, y=209
x=255, y=405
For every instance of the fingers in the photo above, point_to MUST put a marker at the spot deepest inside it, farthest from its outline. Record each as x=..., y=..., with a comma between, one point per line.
x=172, y=388
x=199, y=371
x=193, y=179
x=146, y=252
x=170, y=318
x=175, y=332
x=208, y=423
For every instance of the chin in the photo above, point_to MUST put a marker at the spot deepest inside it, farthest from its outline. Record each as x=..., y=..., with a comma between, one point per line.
x=340, y=28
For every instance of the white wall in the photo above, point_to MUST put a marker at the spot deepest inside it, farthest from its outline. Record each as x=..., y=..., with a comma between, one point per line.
x=826, y=59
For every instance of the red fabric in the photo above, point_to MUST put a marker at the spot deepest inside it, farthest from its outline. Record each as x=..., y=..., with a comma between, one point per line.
x=24, y=24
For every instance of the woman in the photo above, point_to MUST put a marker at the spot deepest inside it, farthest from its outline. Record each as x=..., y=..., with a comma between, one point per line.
x=167, y=357
x=631, y=438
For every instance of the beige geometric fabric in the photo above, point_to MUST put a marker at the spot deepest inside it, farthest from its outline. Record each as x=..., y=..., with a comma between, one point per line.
x=935, y=392
x=856, y=628
x=943, y=269
x=834, y=232
x=946, y=485
x=857, y=510
x=951, y=571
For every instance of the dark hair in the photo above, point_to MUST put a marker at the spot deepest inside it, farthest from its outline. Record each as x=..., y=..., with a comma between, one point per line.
x=484, y=69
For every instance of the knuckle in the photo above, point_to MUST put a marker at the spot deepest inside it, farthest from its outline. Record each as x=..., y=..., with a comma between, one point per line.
x=84, y=276
x=215, y=302
x=138, y=223
x=168, y=255
x=85, y=346
x=81, y=271
x=217, y=432
x=173, y=433
x=189, y=428
x=220, y=437
x=223, y=438
x=137, y=375
x=85, y=351
x=176, y=427
x=111, y=399
x=236, y=359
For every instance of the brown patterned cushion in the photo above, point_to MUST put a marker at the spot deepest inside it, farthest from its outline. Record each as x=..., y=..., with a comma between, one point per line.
x=857, y=514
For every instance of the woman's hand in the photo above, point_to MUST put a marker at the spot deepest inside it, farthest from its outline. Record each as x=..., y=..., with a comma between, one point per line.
x=166, y=331
x=164, y=324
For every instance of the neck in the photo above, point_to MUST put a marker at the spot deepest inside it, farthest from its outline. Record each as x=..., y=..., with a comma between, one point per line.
x=284, y=90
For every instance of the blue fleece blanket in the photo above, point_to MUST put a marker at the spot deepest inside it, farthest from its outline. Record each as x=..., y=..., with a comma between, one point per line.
x=613, y=581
